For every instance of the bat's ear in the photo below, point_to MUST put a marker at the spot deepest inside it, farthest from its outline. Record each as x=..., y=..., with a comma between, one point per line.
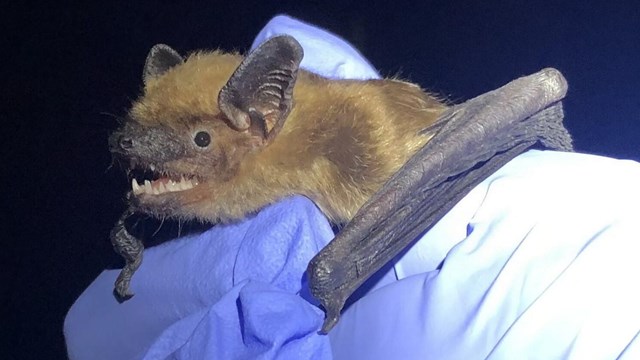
x=258, y=96
x=161, y=58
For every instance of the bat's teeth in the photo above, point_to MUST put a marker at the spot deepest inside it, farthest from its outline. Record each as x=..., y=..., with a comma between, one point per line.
x=137, y=190
x=162, y=186
x=148, y=189
x=172, y=186
x=152, y=167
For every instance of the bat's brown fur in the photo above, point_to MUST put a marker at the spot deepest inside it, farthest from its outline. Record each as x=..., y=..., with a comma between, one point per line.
x=341, y=141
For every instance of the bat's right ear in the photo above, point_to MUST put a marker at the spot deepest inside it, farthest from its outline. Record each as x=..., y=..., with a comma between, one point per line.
x=258, y=96
x=161, y=58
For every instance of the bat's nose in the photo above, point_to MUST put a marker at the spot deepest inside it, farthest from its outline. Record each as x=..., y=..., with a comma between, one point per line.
x=120, y=143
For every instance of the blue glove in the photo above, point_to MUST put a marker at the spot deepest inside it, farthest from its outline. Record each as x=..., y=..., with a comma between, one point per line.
x=540, y=260
x=234, y=290
x=324, y=53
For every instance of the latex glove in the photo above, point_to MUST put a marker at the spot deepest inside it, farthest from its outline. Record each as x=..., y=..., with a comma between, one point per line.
x=234, y=290
x=324, y=53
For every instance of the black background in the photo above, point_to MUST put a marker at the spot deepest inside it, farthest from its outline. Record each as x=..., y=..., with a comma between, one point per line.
x=69, y=70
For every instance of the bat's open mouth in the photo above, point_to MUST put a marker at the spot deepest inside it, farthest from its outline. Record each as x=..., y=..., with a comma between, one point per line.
x=153, y=182
x=162, y=186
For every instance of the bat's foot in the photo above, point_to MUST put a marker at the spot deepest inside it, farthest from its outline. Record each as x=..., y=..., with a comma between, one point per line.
x=121, y=289
x=121, y=297
x=130, y=248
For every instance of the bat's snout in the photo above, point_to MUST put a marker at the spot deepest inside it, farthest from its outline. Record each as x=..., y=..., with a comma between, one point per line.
x=120, y=143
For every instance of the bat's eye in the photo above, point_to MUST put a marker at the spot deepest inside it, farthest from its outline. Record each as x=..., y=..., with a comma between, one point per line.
x=202, y=139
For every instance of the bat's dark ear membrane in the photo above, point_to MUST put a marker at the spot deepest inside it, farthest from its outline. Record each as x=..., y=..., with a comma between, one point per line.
x=161, y=58
x=258, y=96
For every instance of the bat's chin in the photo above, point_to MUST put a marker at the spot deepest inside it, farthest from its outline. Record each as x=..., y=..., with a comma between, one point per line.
x=157, y=202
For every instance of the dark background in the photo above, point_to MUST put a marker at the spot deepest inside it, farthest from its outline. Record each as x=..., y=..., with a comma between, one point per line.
x=68, y=70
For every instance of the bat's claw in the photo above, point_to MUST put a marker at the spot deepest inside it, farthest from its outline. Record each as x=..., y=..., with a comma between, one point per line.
x=330, y=320
x=121, y=297
x=121, y=290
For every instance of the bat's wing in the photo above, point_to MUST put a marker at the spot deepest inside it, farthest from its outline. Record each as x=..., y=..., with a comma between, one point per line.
x=473, y=140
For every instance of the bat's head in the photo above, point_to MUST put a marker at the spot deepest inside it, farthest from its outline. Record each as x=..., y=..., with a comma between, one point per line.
x=199, y=117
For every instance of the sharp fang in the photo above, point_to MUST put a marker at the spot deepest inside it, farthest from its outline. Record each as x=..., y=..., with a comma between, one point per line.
x=152, y=167
x=182, y=184
x=135, y=187
x=162, y=188
x=147, y=187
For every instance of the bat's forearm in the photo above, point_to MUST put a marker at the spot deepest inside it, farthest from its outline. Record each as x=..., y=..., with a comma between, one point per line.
x=474, y=140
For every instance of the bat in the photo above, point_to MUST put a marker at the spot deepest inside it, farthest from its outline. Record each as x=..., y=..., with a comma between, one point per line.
x=222, y=136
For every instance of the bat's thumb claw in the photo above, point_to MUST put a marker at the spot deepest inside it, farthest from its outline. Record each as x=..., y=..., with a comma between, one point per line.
x=330, y=321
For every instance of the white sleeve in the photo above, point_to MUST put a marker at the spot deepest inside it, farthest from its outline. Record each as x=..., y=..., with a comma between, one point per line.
x=540, y=261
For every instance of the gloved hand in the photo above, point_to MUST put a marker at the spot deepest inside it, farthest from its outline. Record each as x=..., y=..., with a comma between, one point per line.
x=234, y=290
